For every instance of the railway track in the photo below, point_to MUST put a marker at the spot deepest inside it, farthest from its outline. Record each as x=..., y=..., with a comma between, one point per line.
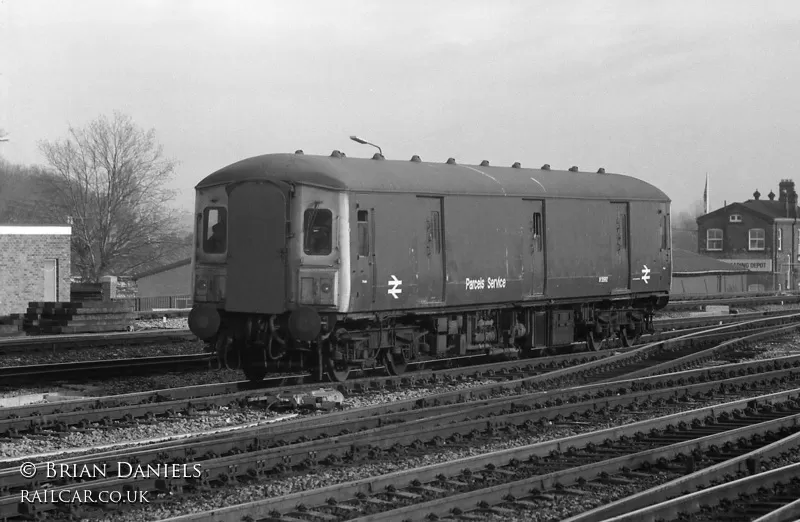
x=257, y=452
x=700, y=304
x=521, y=475
x=763, y=496
x=51, y=343
x=107, y=368
x=544, y=373
x=117, y=367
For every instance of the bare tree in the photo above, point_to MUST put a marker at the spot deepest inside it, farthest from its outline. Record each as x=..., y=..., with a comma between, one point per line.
x=684, y=227
x=111, y=176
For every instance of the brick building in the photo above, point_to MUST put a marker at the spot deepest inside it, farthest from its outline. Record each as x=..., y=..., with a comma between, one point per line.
x=34, y=265
x=762, y=235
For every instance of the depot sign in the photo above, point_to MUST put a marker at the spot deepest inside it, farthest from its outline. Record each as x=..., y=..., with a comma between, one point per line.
x=756, y=265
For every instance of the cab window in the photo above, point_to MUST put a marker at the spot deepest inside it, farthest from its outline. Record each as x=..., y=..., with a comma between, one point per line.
x=317, y=224
x=215, y=230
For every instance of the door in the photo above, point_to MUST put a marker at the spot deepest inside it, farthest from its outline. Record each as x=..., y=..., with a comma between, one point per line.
x=431, y=255
x=365, y=278
x=256, y=277
x=534, y=284
x=620, y=261
x=50, y=280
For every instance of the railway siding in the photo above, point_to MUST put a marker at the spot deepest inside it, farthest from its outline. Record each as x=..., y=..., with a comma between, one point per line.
x=256, y=455
x=358, y=492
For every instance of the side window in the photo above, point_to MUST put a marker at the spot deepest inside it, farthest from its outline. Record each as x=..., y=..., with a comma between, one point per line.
x=537, y=231
x=714, y=239
x=434, y=229
x=780, y=240
x=215, y=230
x=318, y=228
x=665, y=233
x=363, y=232
x=437, y=232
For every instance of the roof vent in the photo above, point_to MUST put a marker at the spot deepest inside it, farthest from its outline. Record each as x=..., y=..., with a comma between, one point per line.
x=771, y=195
x=573, y=169
x=378, y=156
x=546, y=166
x=337, y=154
x=451, y=161
x=299, y=152
x=415, y=158
x=601, y=170
x=516, y=165
x=485, y=163
x=756, y=195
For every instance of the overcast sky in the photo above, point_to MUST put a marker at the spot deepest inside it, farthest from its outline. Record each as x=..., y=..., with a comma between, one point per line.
x=665, y=91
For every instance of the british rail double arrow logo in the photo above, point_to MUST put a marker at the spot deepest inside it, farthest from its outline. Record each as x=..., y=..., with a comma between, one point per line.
x=394, y=282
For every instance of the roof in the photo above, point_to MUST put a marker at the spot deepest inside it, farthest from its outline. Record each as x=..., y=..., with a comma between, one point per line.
x=685, y=262
x=164, y=268
x=417, y=177
x=33, y=230
x=769, y=209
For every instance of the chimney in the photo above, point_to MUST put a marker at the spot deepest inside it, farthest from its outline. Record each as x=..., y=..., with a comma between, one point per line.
x=784, y=188
x=771, y=196
x=756, y=195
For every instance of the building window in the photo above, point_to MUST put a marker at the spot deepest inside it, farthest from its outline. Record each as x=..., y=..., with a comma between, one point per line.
x=736, y=218
x=757, y=239
x=714, y=239
x=780, y=240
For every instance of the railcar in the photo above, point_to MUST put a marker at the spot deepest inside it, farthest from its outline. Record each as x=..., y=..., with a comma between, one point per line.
x=340, y=264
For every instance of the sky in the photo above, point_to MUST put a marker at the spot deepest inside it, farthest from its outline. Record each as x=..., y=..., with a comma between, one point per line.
x=666, y=91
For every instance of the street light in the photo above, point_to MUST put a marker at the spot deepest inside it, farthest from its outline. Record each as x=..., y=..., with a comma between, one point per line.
x=365, y=142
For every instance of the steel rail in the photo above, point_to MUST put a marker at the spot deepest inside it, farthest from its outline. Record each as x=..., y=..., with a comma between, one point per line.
x=693, y=502
x=39, y=343
x=472, y=419
x=443, y=402
x=369, y=486
x=514, y=493
x=61, y=414
x=693, y=304
x=109, y=367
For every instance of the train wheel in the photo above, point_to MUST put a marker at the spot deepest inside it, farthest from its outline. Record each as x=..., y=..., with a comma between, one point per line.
x=592, y=342
x=255, y=373
x=396, y=364
x=337, y=372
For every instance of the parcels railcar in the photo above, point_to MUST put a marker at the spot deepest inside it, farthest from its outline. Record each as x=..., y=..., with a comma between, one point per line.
x=339, y=263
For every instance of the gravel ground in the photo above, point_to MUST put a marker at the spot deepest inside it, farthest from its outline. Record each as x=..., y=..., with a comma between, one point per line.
x=166, y=428
x=167, y=323
x=178, y=426
x=741, y=309
x=230, y=495
x=90, y=440
x=96, y=353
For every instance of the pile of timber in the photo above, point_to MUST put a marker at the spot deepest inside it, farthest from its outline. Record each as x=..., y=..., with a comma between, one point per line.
x=11, y=325
x=74, y=317
x=83, y=292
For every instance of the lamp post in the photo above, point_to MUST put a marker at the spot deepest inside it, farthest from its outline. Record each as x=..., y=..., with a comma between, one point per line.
x=365, y=142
